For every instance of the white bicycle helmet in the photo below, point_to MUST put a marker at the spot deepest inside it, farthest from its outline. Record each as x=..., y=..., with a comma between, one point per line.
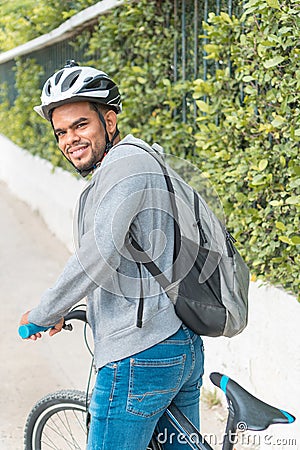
x=76, y=83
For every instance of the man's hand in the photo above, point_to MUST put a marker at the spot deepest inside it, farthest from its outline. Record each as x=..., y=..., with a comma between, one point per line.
x=56, y=329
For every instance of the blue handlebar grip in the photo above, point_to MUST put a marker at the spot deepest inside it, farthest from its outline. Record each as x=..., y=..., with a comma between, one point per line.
x=25, y=331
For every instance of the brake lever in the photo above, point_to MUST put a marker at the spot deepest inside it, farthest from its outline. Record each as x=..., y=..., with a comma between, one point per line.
x=68, y=327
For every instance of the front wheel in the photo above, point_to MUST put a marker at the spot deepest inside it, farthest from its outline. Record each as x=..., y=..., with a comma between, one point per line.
x=58, y=421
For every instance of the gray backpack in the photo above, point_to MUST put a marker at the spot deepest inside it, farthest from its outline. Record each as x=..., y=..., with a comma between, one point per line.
x=210, y=282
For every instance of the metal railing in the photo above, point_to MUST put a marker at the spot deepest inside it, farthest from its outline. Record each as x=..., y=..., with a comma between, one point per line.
x=189, y=60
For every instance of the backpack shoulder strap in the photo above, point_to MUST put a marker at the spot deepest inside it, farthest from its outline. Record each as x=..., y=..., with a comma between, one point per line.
x=140, y=257
x=155, y=152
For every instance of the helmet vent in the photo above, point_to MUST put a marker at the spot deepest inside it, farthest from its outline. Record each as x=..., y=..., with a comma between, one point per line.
x=97, y=83
x=48, y=89
x=58, y=77
x=70, y=80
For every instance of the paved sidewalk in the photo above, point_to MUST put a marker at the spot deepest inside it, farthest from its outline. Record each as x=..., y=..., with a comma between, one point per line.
x=30, y=260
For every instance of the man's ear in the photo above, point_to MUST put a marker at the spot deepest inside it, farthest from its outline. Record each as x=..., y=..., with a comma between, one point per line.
x=111, y=122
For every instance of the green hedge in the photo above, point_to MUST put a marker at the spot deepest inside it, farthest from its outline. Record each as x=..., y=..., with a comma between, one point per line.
x=246, y=135
x=249, y=133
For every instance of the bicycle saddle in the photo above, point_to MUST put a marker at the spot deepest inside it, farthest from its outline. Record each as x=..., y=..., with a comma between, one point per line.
x=248, y=410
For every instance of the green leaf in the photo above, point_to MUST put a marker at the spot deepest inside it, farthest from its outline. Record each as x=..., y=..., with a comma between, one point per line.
x=266, y=43
x=241, y=197
x=263, y=164
x=211, y=48
x=297, y=170
x=258, y=180
x=277, y=260
x=280, y=226
x=284, y=239
x=293, y=200
x=278, y=121
x=282, y=161
x=248, y=78
x=203, y=106
x=137, y=69
x=276, y=203
x=273, y=3
x=261, y=50
x=295, y=240
x=273, y=62
x=166, y=82
x=226, y=17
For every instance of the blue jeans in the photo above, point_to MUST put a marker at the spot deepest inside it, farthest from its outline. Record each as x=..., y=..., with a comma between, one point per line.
x=131, y=395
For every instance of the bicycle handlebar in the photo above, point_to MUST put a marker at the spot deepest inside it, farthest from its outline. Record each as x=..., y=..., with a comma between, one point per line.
x=25, y=331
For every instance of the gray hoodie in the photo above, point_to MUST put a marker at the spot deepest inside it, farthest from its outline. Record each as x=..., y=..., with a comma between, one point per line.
x=126, y=197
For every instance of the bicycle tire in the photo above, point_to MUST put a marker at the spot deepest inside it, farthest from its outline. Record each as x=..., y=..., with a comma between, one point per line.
x=57, y=421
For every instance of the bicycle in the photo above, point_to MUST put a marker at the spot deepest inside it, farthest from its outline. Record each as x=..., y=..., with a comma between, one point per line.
x=61, y=420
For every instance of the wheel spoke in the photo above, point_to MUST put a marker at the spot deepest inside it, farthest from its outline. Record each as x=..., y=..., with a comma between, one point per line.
x=64, y=426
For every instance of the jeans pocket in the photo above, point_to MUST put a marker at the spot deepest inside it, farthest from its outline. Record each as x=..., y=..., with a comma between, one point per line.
x=153, y=383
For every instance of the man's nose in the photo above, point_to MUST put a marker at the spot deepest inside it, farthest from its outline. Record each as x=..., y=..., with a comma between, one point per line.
x=72, y=137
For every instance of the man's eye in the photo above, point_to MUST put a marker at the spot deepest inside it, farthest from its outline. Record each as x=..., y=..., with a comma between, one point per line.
x=82, y=124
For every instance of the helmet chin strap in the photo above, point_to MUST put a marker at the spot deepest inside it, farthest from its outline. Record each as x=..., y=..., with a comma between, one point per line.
x=109, y=143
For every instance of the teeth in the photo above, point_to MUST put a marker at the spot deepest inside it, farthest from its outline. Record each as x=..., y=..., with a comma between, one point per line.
x=78, y=152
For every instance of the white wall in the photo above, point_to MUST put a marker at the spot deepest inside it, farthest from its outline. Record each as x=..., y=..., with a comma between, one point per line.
x=53, y=194
x=265, y=358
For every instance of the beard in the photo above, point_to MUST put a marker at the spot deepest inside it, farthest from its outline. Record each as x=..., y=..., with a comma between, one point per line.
x=91, y=162
x=83, y=164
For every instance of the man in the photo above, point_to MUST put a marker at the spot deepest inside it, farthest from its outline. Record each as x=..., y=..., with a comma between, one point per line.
x=144, y=356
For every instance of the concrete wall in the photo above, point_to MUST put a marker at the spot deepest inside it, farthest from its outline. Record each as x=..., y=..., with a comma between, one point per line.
x=52, y=193
x=265, y=358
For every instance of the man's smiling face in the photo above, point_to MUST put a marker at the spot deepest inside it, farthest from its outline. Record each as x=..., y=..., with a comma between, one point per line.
x=80, y=134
